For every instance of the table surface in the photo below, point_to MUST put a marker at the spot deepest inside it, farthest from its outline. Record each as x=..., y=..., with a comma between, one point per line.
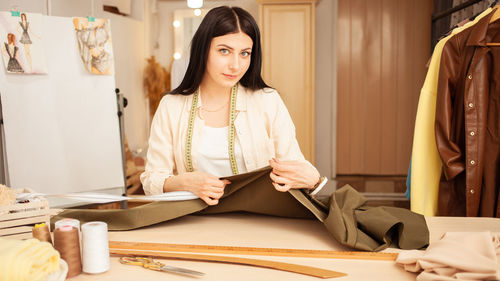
x=242, y=229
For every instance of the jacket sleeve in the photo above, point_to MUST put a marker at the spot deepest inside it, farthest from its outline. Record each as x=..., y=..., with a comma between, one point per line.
x=283, y=132
x=449, y=71
x=160, y=157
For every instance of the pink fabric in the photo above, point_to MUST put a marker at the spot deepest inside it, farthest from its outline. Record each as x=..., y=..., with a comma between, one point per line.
x=457, y=256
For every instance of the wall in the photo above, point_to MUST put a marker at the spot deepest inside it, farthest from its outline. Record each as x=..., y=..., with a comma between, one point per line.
x=326, y=91
x=130, y=46
x=383, y=48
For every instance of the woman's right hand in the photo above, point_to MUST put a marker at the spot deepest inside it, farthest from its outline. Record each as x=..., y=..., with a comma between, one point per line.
x=206, y=186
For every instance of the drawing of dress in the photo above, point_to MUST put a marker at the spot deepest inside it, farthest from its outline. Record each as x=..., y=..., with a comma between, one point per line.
x=91, y=41
x=25, y=38
x=13, y=65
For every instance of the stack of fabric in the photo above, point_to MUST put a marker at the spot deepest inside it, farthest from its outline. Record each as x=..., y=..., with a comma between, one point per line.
x=457, y=256
x=28, y=260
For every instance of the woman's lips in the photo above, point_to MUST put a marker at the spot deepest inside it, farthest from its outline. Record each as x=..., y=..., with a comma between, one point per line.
x=230, y=76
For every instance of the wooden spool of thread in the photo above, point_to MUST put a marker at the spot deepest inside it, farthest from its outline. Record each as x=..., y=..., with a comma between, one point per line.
x=41, y=232
x=67, y=242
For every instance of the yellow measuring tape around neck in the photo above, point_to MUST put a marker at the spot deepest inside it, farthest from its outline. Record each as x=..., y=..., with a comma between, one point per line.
x=232, y=117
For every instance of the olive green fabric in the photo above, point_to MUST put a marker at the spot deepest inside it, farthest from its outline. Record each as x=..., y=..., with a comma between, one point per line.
x=373, y=228
x=256, y=197
x=344, y=214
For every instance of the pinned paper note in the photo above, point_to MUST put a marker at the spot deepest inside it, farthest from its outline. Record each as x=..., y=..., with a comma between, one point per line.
x=22, y=44
x=94, y=44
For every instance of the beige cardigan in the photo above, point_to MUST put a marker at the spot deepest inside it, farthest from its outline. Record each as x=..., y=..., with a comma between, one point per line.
x=264, y=129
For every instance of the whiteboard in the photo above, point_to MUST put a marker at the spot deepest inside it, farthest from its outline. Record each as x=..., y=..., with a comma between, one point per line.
x=61, y=129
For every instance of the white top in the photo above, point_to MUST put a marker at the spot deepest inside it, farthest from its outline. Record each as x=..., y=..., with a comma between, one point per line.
x=213, y=152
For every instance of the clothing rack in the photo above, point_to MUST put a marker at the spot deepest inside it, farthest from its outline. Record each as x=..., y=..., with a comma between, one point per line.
x=440, y=27
x=452, y=10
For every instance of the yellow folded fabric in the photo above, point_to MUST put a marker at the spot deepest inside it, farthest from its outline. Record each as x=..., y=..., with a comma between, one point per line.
x=27, y=260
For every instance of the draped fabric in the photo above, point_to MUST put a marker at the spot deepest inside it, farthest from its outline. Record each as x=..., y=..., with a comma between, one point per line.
x=345, y=214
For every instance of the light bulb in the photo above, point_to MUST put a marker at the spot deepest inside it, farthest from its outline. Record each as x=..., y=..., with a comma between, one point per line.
x=197, y=12
x=177, y=56
x=195, y=4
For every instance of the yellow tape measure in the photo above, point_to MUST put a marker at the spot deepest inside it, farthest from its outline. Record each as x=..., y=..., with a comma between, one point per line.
x=236, y=250
x=232, y=130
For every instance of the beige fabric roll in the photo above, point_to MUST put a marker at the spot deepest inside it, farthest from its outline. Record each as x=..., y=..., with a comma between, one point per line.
x=27, y=260
x=457, y=256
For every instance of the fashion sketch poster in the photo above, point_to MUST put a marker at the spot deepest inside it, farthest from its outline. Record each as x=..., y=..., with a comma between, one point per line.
x=21, y=43
x=94, y=44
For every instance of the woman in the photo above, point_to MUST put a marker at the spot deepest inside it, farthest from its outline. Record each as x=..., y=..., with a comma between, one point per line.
x=223, y=119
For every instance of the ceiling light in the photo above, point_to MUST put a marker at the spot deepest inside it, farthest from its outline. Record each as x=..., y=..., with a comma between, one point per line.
x=195, y=4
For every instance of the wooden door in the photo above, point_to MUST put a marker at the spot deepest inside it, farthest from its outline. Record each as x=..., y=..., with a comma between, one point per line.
x=287, y=28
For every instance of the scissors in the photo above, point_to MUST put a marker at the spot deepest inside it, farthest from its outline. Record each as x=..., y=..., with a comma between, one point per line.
x=149, y=263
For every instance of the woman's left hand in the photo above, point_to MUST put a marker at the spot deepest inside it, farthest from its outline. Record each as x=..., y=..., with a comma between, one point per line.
x=287, y=175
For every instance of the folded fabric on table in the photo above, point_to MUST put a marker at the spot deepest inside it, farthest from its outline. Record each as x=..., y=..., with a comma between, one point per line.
x=344, y=214
x=28, y=260
x=368, y=228
x=457, y=256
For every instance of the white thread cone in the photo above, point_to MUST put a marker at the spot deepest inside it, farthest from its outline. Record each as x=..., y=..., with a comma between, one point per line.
x=95, y=252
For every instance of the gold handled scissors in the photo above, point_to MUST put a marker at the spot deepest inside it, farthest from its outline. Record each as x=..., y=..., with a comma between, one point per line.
x=149, y=263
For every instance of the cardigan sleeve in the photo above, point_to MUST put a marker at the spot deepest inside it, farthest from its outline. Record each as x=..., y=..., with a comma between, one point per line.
x=160, y=156
x=282, y=131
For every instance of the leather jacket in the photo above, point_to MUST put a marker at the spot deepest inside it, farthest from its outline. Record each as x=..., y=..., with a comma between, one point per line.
x=466, y=126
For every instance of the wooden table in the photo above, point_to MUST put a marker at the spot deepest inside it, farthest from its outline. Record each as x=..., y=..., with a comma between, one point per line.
x=241, y=229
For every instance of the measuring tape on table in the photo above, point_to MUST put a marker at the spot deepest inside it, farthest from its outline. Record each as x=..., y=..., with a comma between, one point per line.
x=231, y=135
x=236, y=250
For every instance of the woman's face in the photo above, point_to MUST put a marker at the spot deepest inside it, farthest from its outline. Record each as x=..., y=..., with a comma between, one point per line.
x=228, y=59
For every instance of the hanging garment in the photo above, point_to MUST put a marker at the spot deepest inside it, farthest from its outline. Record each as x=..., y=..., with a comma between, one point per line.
x=345, y=215
x=467, y=118
x=426, y=164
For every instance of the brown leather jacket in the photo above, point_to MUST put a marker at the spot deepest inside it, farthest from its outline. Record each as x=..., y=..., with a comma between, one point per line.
x=467, y=121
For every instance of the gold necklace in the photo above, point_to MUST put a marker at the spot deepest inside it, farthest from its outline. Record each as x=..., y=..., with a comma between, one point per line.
x=215, y=110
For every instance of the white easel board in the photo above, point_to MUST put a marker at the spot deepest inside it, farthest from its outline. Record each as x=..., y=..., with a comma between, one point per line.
x=62, y=129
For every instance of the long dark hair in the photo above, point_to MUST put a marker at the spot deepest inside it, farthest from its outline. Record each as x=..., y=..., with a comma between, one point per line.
x=218, y=22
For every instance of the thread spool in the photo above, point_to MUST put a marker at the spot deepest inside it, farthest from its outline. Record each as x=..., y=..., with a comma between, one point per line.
x=73, y=222
x=41, y=232
x=67, y=243
x=95, y=250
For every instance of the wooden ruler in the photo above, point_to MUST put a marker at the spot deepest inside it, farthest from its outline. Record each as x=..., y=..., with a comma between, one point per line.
x=116, y=245
x=296, y=268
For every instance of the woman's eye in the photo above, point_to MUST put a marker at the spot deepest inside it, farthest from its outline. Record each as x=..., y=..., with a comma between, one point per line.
x=245, y=54
x=224, y=51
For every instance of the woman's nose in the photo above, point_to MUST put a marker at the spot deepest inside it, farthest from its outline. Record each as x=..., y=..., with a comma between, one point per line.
x=234, y=62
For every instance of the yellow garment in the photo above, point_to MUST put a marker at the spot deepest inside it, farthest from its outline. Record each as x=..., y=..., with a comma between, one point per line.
x=426, y=164
x=27, y=260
